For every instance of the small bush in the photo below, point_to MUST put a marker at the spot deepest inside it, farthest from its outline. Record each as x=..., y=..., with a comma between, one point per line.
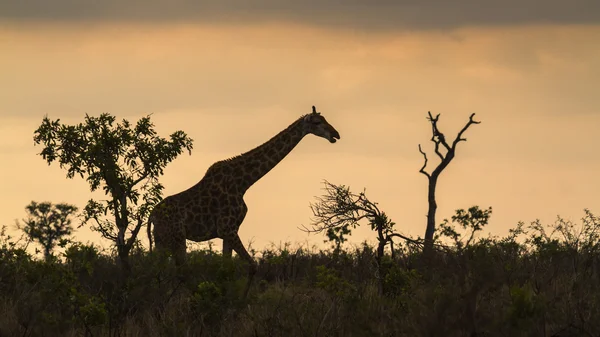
x=537, y=281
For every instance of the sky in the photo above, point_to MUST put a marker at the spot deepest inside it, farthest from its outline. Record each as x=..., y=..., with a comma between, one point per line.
x=232, y=74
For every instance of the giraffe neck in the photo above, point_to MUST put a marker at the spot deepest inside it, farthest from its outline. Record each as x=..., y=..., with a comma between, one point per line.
x=249, y=167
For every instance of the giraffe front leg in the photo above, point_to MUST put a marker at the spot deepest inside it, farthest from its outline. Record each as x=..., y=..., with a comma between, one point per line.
x=235, y=243
x=227, y=249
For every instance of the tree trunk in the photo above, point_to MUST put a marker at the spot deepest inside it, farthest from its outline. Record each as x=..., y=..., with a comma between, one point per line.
x=47, y=252
x=122, y=222
x=430, y=214
x=123, y=251
x=380, y=269
x=380, y=252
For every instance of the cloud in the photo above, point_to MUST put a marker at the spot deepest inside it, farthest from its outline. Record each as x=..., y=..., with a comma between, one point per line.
x=62, y=71
x=355, y=14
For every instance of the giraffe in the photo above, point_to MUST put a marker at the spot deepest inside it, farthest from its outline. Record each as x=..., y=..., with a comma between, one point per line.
x=215, y=207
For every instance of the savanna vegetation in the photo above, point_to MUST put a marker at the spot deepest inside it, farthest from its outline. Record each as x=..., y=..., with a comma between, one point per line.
x=539, y=280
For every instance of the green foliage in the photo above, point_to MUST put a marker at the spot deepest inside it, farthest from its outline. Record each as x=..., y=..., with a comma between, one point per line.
x=525, y=306
x=472, y=220
x=50, y=297
x=277, y=257
x=399, y=281
x=125, y=160
x=338, y=235
x=90, y=309
x=529, y=283
x=329, y=281
x=81, y=258
x=9, y=249
x=208, y=302
x=48, y=224
x=564, y=234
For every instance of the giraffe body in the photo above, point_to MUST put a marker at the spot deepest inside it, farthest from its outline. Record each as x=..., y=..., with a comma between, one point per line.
x=215, y=207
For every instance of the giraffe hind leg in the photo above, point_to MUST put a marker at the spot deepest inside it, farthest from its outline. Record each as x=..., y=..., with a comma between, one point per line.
x=170, y=243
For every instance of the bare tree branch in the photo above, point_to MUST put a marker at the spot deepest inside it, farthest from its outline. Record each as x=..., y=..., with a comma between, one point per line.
x=422, y=170
x=339, y=211
x=135, y=231
x=437, y=149
x=406, y=238
x=339, y=207
x=441, y=139
x=459, y=136
x=142, y=177
x=104, y=231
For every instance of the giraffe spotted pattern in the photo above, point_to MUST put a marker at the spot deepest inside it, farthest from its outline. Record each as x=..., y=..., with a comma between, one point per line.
x=215, y=207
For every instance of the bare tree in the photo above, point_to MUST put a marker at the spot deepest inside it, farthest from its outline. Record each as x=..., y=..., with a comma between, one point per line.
x=439, y=141
x=339, y=211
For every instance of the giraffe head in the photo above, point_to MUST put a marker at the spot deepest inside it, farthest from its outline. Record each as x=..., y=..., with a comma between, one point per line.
x=317, y=125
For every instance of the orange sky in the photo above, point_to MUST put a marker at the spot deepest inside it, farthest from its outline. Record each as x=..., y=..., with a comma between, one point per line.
x=233, y=86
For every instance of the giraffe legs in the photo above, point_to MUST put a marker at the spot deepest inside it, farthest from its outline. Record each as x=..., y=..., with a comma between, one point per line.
x=227, y=249
x=178, y=250
x=172, y=243
x=233, y=242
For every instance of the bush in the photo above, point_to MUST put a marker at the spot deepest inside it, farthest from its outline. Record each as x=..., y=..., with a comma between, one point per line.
x=537, y=281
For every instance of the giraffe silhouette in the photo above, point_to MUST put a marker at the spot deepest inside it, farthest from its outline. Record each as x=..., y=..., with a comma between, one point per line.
x=215, y=207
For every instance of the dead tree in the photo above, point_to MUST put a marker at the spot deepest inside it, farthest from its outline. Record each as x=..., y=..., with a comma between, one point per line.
x=339, y=211
x=439, y=140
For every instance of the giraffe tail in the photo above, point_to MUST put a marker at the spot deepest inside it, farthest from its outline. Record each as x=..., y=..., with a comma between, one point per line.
x=150, y=218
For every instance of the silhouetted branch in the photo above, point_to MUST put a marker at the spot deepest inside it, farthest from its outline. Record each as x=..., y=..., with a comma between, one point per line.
x=459, y=136
x=422, y=170
x=338, y=207
x=137, y=181
x=135, y=232
x=406, y=238
x=436, y=133
x=338, y=210
x=104, y=231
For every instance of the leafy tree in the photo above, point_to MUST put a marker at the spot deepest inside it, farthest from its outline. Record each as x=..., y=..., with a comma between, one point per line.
x=125, y=160
x=471, y=220
x=48, y=224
